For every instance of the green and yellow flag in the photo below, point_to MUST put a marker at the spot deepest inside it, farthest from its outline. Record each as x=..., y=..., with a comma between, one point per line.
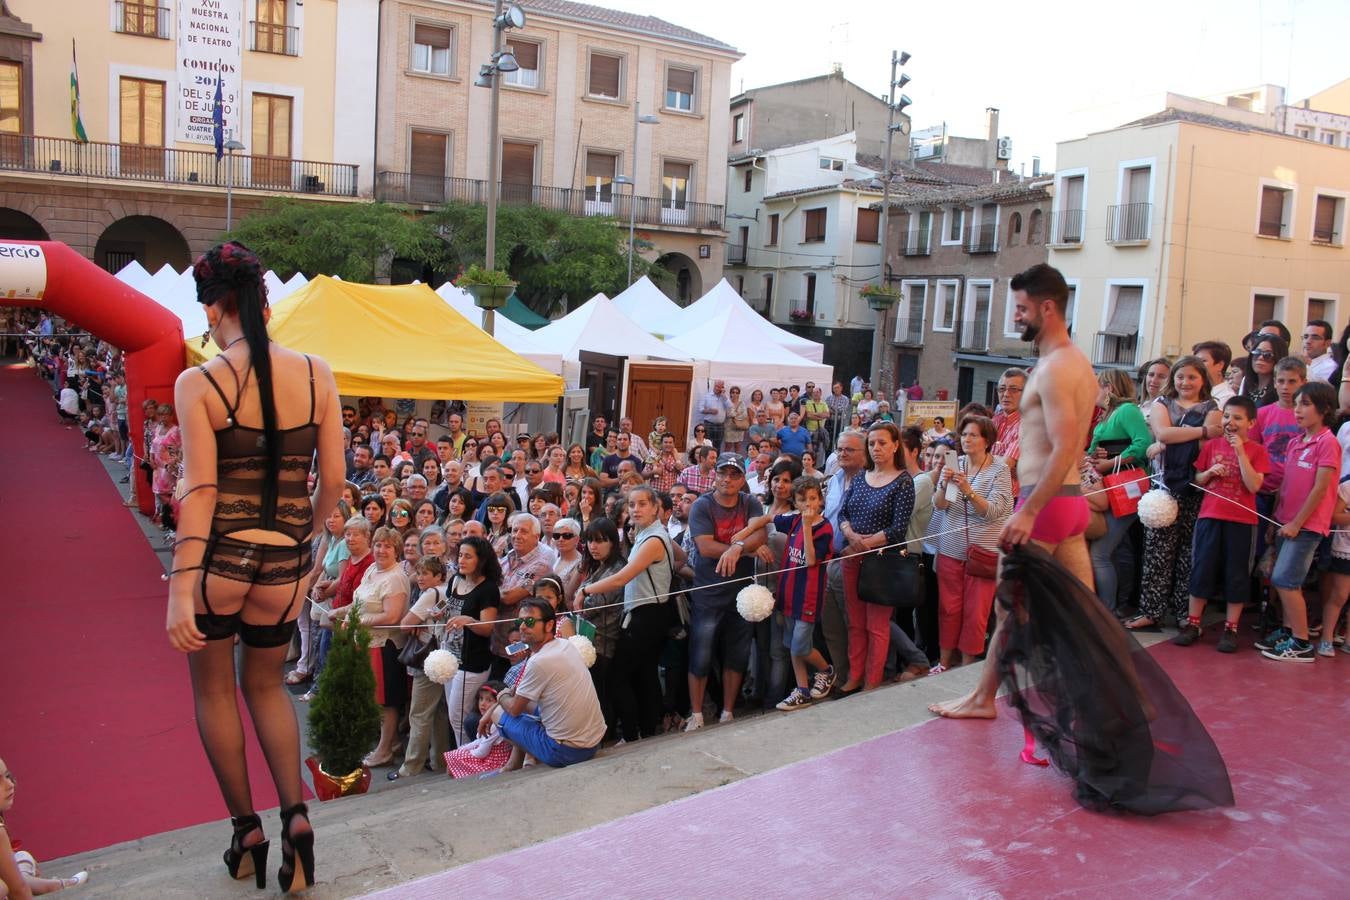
x=76, y=124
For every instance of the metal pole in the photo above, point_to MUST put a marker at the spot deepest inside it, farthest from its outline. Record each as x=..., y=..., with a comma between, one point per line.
x=878, y=334
x=632, y=192
x=229, y=191
x=494, y=160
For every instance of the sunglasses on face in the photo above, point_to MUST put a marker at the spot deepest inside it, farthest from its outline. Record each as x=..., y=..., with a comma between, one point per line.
x=500, y=509
x=400, y=514
x=1262, y=354
x=563, y=535
x=528, y=622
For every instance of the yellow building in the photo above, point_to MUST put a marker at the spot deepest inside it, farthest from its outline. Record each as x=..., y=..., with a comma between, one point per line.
x=147, y=183
x=1184, y=226
x=569, y=120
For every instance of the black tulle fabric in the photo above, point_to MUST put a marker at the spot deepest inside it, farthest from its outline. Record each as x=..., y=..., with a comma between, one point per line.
x=1101, y=706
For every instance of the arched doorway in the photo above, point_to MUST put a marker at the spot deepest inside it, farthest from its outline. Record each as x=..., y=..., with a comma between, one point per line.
x=150, y=241
x=686, y=284
x=17, y=226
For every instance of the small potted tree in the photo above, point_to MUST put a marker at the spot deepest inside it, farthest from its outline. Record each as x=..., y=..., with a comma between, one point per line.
x=490, y=288
x=344, y=719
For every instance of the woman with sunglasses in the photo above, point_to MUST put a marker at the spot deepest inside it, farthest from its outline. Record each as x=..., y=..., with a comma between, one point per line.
x=477, y=590
x=1258, y=369
x=567, y=544
x=700, y=439
x=499, y=510
x=400, y=516
x=469, y=458
x=738, y=420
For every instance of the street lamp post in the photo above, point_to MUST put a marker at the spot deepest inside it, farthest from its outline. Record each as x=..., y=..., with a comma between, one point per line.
x=231, y=145
x=898, y=59
x=489, y=75
x=638, y=119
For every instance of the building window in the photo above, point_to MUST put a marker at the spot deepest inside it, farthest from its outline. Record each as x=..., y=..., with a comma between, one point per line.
x=141, y=108
x=271, y=34
x=606, y=80
x=431, y=49
x=1034, y=227
x=975, y=318
x=1328, y=219
x=680, y=89
x=869, y=225
x=676, y=181
x=11, y=97
x=944, y=306
x=1304, y=132
x=956, y=224
x=1266, y=307
x=1014, y=229
x=768, y=291
x=143, y=17
x=427, y=158
x=909, y=317
x=1276, y=204
x=738, y=128
x=1117, y=344
x=1320, y=308
x=1069, y=224
x=272, y=139
x=740, y=286
x=600, y=171
x=806, y=312
x=815, y=226
x=773, y=231
x=919, y=238
x=1331, y=138
x=749, y=177
x=831, y=164
x=527, y=55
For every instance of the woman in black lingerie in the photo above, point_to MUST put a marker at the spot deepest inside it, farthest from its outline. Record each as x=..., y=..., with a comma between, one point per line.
x=252, y=421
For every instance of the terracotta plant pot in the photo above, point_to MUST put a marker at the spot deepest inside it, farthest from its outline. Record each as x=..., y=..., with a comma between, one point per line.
x=328, y=787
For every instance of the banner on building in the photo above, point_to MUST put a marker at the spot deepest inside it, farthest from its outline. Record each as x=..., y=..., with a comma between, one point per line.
x=923, y=412
x=210, y=41
x=477, y=413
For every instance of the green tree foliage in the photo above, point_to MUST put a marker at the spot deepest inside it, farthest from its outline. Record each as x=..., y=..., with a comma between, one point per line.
x=353, y=241
x=344, y=719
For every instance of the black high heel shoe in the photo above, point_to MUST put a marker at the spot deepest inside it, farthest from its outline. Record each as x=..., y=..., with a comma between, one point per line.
x=245, y=861
x=289, y=876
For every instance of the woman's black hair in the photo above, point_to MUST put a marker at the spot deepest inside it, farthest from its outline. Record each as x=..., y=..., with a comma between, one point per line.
x=231, y=275
x=790, y=464
x=488, y=566
x=1278, y=346
x=603, y=528
x=378, y=501
x=501, y=498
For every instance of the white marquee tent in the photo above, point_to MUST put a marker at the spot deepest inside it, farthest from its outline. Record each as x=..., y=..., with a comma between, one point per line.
x=516, y=338
x=723, y=297
x=598, y=326
x=645, y=304
x=728, y=347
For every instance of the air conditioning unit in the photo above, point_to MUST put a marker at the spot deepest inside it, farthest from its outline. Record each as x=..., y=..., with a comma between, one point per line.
x=1005, y=148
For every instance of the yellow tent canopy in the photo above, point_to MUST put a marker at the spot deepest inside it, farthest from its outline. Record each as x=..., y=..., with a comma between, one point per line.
x=400, y=341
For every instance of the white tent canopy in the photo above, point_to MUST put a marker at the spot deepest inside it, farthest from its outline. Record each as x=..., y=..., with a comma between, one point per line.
x=598, y=326
x=516, y=338
x=738, y=354
x=646, y=304
x=723, y=297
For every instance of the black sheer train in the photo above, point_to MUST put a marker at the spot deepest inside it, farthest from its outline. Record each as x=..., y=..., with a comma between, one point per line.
x=1106, y=713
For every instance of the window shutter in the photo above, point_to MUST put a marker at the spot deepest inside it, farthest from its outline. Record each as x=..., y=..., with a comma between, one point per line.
x=431, y=36
x=1125, y=316
x=428, y=154
x=1272, y=211
x=1324, y=223
x=601, y=165
x=604, y=75
x=517, y=163
x=527, y=54
x=681, y=80
x=869, y=221
x=815, y=225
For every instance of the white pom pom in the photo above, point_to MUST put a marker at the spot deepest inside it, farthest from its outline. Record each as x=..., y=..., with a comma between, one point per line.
x=584, y=647
x=440, y=666
x=754, y=603
x=1157, y=509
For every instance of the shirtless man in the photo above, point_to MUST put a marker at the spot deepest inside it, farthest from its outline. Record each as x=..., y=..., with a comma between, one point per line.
x=1056, y=411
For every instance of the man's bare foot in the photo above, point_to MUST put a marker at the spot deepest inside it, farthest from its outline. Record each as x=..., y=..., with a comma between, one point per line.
x=967, y=707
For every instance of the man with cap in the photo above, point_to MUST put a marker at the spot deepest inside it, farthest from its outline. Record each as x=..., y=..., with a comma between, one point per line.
x=722, y=566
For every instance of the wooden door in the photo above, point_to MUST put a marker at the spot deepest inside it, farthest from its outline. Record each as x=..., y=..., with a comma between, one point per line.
x=659, y=390
x=601, y=374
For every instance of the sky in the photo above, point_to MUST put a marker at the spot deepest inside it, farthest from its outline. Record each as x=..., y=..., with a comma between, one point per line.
x=1056, y=69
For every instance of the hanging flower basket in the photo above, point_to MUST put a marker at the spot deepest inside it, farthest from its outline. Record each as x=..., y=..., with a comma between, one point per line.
x=879, y=298
x=489, y=288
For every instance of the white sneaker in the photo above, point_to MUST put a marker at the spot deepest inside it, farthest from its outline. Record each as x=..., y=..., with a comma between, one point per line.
x=694, y=722
x=725, y=717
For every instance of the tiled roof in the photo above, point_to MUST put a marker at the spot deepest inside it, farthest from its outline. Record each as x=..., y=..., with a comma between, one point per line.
x=796, y=192
x=1172, y=114
x=1007, y=191
x=955, y=174
x=616, y=18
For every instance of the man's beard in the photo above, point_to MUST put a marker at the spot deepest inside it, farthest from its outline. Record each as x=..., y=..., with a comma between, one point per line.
x=1030, y=331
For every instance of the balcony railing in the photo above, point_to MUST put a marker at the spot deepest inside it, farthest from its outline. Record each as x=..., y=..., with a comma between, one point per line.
x=145, y=19
x=1323, y=235
x=1066, y=228
x=918, y=243
x=909, y=328
x=981, y=239
x=1128, y=223
x=433, y=190
x=735, y=254
x=266, y=37
x=973, y=336
x=166, y=165
x=801, y=312
x=1115, y=350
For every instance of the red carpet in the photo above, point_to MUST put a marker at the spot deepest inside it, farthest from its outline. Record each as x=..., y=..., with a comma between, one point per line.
x=945, y=809
x=99, y=726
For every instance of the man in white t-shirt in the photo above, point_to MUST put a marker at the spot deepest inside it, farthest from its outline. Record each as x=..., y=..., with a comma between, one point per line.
x=567, y=725
x=1216, y=355
x=68, y=406
x=1317, y=338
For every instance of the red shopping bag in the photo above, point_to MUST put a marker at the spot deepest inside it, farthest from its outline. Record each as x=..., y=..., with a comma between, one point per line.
x=1124, y=489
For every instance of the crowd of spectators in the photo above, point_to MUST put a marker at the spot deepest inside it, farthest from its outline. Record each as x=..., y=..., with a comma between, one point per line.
x=500, y=547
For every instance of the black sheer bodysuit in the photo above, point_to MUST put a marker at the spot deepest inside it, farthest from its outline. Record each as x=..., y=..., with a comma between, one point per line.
x=243, y=502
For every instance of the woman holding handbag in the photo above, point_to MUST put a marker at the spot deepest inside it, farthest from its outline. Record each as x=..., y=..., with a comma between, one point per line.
x=1119, y=449
x=875, y=514
x=977, y=498
x=428, y=720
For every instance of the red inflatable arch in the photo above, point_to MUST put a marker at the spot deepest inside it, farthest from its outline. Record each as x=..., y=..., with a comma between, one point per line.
x=52, y=276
